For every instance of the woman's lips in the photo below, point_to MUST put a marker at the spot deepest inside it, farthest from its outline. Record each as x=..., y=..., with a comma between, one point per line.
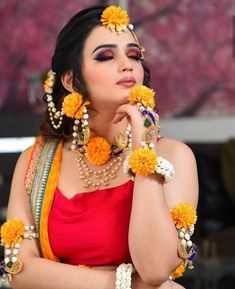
x=127, y=81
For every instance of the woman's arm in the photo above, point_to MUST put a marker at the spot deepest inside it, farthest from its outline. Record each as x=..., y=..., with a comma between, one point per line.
x=153, y=238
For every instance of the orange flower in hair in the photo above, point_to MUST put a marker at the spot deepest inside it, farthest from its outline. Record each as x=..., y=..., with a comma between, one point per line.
x=12, y=232
x=179, y=271
x=143, y=161
x=98, y=150
x=143, y=94
x=115, y=18
x=184, y=215
x=71, y=105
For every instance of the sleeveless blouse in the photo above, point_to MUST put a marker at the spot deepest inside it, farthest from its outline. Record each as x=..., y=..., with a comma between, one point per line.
x=92, y=228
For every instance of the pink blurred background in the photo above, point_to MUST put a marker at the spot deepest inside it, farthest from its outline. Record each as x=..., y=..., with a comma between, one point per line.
x=189, y=48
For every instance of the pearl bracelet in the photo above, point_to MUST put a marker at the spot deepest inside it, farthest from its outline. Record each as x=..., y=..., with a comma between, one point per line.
x=123, y=276
x=164, y=168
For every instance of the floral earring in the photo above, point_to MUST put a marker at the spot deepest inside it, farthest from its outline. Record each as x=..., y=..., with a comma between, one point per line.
x=56, y=116
x=74, y=107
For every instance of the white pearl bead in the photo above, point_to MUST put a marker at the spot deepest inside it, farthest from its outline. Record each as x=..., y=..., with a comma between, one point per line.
x=85, y=116
x=183, y=242
x=143, y=143
x=151, y=145
x=14, y=259
x=51, y=104
x=181, y=235
x=49, y=98
x=187, y=237
x=17, y=245
x=7, y=260
x=15, y=251
x=73, y=147
x=7, y=252
x=189, y=243
x=26, y=228
x=85, y=122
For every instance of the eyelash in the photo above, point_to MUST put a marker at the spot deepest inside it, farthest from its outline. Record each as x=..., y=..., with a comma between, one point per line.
x=103, y=57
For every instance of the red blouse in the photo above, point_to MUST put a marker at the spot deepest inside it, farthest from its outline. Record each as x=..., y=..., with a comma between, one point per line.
x=92, y=228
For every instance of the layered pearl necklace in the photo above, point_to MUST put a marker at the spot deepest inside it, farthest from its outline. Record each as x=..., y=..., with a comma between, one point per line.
x=96, y=178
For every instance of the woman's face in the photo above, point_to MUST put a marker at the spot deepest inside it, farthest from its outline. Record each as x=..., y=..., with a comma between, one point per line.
x=110, y=66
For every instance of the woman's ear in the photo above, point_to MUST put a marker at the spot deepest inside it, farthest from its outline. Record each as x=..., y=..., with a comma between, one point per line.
x=67, y=80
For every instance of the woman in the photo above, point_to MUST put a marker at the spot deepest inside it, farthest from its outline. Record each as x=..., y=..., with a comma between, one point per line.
x=86, y=209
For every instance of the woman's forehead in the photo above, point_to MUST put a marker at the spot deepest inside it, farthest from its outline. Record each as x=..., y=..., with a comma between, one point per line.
x=101, y=35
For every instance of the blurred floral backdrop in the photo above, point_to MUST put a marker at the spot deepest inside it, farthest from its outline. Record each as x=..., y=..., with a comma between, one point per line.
x=189, y=48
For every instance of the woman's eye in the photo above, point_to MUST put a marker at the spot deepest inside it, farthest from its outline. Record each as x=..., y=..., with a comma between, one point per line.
x=134, y=54
x=106, y=55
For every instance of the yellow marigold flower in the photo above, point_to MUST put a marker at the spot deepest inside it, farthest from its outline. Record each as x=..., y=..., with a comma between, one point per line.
x=80, y=110
x=143, y=161
x=184, y=215
x=49, y=82
x=115, y=18
x=179, y=271
x=12, y=232
x=98, y=150
x=143, y=94
x=71, y=105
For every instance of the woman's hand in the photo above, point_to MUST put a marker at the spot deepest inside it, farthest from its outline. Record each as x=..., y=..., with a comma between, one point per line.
x=134, y=117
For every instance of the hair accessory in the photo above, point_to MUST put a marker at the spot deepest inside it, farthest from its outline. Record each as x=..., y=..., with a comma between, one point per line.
x=12, y=234
x=184, y=217
x=115, y=18
x=123, y=276
x=56, y=116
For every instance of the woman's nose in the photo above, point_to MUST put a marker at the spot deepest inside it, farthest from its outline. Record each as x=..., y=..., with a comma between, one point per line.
x=125, y=65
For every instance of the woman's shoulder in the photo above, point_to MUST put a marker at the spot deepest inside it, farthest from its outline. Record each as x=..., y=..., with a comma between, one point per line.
x=174, y=149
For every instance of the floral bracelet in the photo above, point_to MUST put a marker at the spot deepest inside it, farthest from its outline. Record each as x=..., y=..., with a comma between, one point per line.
x=12, y=233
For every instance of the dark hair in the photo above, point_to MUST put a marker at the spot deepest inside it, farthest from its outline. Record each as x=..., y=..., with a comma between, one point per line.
x=68, y=57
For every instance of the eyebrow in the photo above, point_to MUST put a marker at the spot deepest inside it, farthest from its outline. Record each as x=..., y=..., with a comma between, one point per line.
x=114, y=46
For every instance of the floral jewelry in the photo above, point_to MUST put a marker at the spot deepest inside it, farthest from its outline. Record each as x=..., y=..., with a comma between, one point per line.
x=74, y=107
x=123, y=276
x=184, y=217
x=56, y=116
x=116, y=19
x=12, y=234
x=144, y=160
x=98, y=151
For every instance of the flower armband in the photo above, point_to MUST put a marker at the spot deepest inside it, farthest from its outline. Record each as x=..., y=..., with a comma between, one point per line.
x=184, y=217
x=12, y=233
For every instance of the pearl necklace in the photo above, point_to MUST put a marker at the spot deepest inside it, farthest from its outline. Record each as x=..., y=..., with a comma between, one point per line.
x=105, y=175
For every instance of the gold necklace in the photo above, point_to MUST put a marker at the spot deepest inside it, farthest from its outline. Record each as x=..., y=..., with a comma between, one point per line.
x=102, y=177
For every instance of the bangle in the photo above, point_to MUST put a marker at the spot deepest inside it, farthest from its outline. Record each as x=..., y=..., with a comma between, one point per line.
x=184, y=217
x=123, y=276
x=160, y=166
